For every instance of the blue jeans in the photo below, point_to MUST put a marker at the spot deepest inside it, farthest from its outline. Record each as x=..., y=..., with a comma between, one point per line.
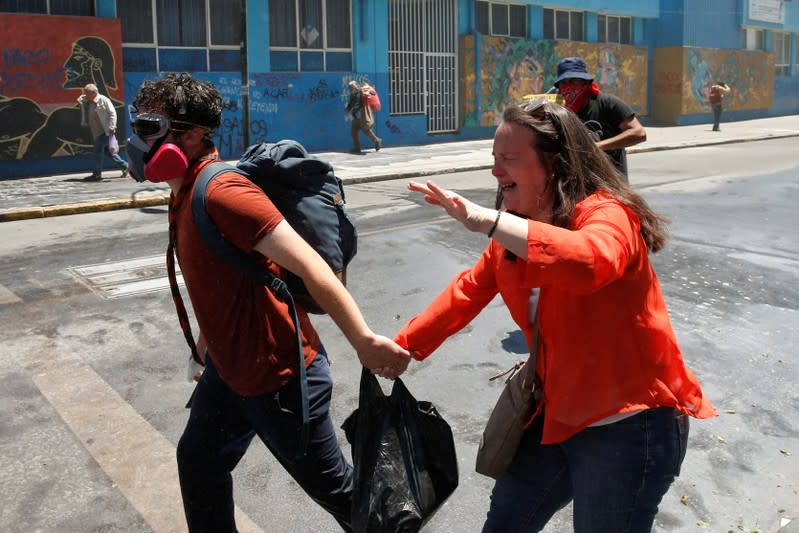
x=616, y=474
x=100, y=149
x=221, y=426
x=716, y=115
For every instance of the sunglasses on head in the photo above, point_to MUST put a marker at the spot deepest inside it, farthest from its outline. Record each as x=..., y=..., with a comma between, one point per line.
x=533, y=107
x=542, y=109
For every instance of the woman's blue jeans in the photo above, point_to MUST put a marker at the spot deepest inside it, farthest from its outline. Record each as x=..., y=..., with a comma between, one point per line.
x=616, y=475
x=221, y=426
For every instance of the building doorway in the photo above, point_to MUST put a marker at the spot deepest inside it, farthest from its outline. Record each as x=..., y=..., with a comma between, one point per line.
x=422, y=51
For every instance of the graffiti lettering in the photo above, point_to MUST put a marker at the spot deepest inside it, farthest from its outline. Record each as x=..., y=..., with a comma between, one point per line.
x=668, y=88
x=259, y=131
x=235, y=82
x=273, y=80
x=230, y=105
x=259, y=107
x=228, y=89
x=228, y=137
x=672, y=77
x=16, y=56
x=20, y=82
x=322, y=92
x=276, y=92
x=393, y=128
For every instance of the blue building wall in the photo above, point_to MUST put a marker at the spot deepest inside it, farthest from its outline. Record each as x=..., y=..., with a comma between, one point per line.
x=703, y=23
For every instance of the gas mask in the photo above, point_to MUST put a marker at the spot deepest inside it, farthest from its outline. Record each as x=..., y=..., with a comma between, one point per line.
x=159, y=162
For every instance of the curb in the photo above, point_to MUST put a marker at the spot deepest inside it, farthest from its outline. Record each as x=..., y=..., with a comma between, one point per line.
x=765, y=137
x=27, y=213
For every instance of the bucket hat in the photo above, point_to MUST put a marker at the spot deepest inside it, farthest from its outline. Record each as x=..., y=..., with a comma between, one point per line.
x=572, y=67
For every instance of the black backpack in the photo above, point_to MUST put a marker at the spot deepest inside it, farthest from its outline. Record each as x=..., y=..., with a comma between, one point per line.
x=311, y=198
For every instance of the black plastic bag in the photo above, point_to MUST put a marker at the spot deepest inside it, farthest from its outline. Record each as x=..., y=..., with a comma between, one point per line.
x=404, y=458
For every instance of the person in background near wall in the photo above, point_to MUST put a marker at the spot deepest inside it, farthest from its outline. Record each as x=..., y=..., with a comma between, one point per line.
x=363, y=119
x=717, y=93
x=612, y=122
x=98, y=113
x=573, y=244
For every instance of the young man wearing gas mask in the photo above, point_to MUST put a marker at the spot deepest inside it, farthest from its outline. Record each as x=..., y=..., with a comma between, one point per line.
x=249, y=386
x=610, y=120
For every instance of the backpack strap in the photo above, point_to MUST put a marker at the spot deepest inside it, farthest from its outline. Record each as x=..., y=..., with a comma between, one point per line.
x=233, y=255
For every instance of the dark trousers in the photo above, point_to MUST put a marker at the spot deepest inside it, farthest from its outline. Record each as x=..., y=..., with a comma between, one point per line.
x=100, y=150
x=616, y=474
x=220, y=428
x=360, y=125
x=716, y=116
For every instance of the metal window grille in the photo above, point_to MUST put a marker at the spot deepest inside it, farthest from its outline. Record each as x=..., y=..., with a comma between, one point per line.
x=422, y=61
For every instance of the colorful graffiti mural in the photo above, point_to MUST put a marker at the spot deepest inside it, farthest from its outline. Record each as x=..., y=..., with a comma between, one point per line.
x=618, y=69
x=511, y=68
x=749, y=73
x=41, y=77
x=683, y=76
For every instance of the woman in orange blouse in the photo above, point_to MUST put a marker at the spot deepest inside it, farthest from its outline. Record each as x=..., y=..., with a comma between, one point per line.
x=610, y=430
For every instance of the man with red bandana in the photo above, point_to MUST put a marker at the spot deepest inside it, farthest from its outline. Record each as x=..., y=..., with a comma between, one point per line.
x=610, y=120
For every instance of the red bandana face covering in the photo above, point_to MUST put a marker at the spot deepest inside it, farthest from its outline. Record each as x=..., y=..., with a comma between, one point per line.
x=576, y=94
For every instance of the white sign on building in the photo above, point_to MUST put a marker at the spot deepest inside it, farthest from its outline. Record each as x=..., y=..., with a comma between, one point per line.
x=767, y=11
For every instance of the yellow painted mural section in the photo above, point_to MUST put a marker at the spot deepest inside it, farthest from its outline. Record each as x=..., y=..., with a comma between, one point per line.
x=468, y=80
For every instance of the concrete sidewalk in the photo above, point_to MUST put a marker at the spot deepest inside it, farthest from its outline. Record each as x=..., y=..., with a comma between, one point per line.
x=49, y=196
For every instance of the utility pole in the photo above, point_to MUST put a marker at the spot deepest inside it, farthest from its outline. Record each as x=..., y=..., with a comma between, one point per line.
x=245, y=78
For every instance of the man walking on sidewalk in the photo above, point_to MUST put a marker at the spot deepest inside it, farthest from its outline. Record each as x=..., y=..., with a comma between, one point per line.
x=98, y=113
x=363, y=119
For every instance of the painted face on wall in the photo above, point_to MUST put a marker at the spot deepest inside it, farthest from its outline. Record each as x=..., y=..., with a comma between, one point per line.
x=78, y=68
x=607, y=72
x=523, y=180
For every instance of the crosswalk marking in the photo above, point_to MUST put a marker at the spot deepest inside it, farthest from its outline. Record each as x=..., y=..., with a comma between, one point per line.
x=138, y=459
x=126, y=278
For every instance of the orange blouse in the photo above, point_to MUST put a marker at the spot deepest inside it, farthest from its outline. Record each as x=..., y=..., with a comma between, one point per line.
x=606, y=345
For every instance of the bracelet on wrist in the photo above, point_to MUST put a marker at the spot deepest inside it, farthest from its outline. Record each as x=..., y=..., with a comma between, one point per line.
x=494, y=227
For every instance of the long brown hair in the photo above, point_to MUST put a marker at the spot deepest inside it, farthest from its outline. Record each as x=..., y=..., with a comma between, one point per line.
x=579, y=167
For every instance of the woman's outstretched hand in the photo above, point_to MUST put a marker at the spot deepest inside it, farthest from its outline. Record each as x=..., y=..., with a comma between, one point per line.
x=472, y=216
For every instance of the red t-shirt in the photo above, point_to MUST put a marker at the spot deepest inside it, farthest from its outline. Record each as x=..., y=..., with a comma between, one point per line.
x=249, y=332
x=715, y=95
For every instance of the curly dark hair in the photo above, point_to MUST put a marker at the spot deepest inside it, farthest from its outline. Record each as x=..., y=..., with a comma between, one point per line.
x=183, y=99
x=580, y=168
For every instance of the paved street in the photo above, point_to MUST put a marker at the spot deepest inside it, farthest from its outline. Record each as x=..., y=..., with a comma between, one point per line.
x=92, y=386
